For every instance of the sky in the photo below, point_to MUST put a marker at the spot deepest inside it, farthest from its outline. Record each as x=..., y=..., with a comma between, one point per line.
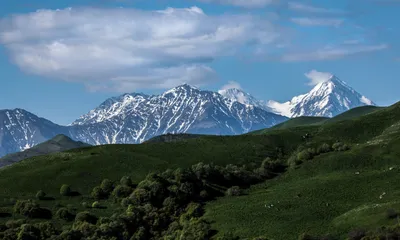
x=60, y=59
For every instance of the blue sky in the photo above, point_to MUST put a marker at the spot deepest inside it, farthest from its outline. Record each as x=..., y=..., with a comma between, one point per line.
x=60, y=59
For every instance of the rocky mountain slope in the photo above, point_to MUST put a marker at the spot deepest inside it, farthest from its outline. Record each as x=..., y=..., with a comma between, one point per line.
x=326, y=99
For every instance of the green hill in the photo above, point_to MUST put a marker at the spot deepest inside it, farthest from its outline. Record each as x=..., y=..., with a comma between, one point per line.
x=57, y=144
x=326, y=188
x=300, y=121
x=354, y=113
x=173, y=137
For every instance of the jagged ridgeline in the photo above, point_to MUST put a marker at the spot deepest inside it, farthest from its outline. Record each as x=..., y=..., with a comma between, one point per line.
x=334, y=178
x=137, y=117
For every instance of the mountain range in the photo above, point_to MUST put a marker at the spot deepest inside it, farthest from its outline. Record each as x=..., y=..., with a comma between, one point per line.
x=57, y=144
x=137, y=117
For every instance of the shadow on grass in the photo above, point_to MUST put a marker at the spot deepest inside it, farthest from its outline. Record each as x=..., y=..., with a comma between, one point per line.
x=5, y=215
x=47, y=199
x=75, y=194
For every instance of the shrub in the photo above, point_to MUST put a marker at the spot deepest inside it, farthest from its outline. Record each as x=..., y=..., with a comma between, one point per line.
x=357, y=234
x=391, y=214
x=305, y=236
x=126, y=181
x=204, y=195
x=140, y=196
x=85, y=205
x=98, y=193
x=28, y=231
x=64, y=214
x=65, y=190
x=47, y=229
x=305, y=155
x=122, y=191
x=125, y=202
x=324, y=148
x=96, y=204
x=228, y=236
x=107, y=186
x=15, y=223
x=234, y=191
x=86, y=217
x=40, y=195
x=31, y=209
x=339, y=146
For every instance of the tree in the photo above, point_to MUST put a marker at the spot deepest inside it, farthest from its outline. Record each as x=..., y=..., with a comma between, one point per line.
x=40, y=195
x=126, y=181
x=324, y=148
x=107, y=186
x=28, y=232
x=65, y=190
x=98, y=193
x=64, y=214
x=96, y=204
x=234, y=191
x=31, y=209
x=86, y=217
x=122, y=191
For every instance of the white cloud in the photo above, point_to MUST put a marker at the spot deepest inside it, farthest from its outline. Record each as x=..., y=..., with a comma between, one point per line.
x=317, y=77
x=128, y=48
x=331, y=53
x=243, y=3
x=306, y=21
x=230, y=85
x=296, y=6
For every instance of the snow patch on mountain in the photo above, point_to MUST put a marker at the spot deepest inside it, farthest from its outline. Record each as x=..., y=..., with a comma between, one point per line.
x=327, y=99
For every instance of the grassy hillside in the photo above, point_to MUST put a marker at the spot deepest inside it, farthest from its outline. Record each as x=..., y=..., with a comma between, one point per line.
x=57, y=144
x=331, y=192
x=354, y=113
x=173, y=137
x=300, y=121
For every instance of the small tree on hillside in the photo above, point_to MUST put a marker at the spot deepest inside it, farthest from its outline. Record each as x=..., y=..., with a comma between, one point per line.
x=40, y=195
x=65, y=190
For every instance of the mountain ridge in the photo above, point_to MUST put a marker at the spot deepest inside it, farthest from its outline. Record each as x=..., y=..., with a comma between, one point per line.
x=326, y=99
x=136, y=117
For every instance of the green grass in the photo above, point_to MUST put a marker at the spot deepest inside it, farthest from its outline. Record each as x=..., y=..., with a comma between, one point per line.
x=354, y=113
x=333, y=198
x=57, y=144
x=300, y=121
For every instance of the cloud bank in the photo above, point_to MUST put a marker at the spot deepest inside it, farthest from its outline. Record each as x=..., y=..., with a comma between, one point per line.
x=123, y=49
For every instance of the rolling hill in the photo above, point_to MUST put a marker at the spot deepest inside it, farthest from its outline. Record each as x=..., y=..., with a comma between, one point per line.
x=330, y=192
x=57, y=144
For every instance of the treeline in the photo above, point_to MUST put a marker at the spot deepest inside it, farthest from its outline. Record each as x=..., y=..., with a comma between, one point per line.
x=165, y=205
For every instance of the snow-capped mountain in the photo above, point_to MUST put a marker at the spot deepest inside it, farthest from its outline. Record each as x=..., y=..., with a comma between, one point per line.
x=326, y=99
x=20, y=130
x=134, y=118
x=238, y=95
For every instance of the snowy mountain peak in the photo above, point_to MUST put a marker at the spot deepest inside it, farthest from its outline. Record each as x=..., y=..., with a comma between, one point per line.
x=238, y=95
x=327, y=99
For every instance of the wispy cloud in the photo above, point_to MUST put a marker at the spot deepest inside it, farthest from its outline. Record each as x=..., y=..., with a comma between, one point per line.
x=331, y=53
x=230, y=85
x=243, y=3
x=297, y=6
x=306, y=21
x=123, y=49
x=317, y=77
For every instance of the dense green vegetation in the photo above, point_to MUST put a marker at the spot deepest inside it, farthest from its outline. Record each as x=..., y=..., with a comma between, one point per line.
x=339, y=178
